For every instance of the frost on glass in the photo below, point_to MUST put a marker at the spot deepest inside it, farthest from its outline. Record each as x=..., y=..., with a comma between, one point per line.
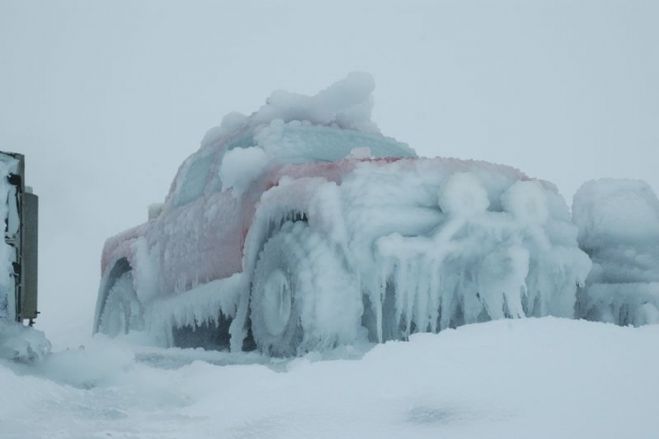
x=194, y=179
x=299, y=142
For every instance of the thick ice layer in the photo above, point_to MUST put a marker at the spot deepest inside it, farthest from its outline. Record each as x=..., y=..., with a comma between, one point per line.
x=614, y=210
x=203, y=305
x=618, y=222
x=432, y=243
x=440, y=243
x=290, y=128
x=633, y=303
x=7, y=253
x=387, y=244
x=345, y=104
x=294, y=128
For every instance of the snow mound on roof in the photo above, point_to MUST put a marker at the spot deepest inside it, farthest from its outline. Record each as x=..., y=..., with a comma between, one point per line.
x=294, y=128
x=618, y=222
x=345, y=104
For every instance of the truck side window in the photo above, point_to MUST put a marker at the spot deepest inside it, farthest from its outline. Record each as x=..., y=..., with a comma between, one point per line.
x=194, y=179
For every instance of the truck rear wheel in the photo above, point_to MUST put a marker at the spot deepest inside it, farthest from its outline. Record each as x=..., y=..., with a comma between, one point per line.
x=302, y=297
x=122, y=311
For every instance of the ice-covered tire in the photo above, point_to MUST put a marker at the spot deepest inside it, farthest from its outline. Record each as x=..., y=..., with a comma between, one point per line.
x=303, y=297
x=122, y=311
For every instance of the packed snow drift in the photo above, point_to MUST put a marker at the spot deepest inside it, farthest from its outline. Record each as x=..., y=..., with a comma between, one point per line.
x=539, y=378
x=22, y=343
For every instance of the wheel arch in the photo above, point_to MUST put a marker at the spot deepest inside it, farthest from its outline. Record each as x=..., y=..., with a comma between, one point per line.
x=313, y=200
x=119, y=267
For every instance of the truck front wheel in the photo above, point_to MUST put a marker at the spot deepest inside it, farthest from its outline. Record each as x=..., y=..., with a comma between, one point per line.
x=303, y=297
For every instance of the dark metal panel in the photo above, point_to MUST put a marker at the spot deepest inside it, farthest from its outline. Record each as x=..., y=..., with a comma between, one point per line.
x=30, y=260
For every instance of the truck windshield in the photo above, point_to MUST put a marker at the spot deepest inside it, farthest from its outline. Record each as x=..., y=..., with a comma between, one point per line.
x=319, y=143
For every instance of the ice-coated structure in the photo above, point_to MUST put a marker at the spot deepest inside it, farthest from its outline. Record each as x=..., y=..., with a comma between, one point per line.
x=301, y=227
x=17, y=342
x=8, y=165
x=618, y=223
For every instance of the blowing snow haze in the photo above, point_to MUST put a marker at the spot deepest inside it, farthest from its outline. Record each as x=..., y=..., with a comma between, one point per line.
x=378, y=238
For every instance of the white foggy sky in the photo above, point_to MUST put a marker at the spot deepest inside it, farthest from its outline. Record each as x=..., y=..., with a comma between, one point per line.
x=106, y=98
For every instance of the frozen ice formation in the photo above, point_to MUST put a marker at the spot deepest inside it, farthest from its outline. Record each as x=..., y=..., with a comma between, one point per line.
x=440, y=243
x=7, y=253
x=345, y=104
x=22, y=343
x=301, y=227
x=618, y=223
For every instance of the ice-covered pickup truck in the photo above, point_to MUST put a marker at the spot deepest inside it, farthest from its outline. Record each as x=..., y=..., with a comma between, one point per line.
x=301, y=227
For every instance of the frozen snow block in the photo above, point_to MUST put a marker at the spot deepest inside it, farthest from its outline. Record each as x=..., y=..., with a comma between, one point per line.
x=618, y=224
x=22, y=343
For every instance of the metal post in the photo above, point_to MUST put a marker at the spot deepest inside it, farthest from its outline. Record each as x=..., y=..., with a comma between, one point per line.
x=29, y=257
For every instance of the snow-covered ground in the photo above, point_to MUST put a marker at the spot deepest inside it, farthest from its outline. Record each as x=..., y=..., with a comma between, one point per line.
x=511, y=378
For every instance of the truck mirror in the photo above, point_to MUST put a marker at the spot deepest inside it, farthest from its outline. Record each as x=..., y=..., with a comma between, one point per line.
x=155, y=210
